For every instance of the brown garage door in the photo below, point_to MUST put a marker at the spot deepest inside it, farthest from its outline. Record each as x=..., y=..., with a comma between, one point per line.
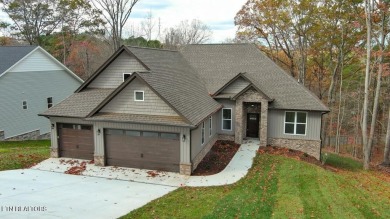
x=142, y=149
x=75, y=141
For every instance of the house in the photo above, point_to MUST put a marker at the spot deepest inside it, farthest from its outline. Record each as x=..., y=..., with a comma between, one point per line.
x=162, y=109
x=31, y=81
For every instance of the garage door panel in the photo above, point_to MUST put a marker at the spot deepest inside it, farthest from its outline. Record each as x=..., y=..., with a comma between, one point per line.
x=142, y=152
x=76, y=142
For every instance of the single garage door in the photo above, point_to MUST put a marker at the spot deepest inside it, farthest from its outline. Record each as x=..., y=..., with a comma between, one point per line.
x=75, y=141
x=142, y=149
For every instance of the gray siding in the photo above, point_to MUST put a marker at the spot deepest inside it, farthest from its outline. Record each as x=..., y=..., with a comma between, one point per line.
x=152, y=104
x=36, y=61
x=276, y=125
x=238, y=85
x=226, y=104
x=196, y=138
x=34, y=87
x=112, y=76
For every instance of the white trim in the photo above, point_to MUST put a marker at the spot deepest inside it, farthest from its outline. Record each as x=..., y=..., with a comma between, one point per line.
x=202, y=134
x=210, y=126
x=143, y=95
x=23, y=105
x=49, y=56
x=231, y=119
x=295, y=123
x=123, y=75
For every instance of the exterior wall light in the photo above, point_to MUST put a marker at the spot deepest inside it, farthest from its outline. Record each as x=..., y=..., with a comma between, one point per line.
x=184, y=137
x=98, y=131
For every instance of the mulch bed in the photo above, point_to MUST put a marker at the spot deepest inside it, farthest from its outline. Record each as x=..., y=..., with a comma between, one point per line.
x=217, y=158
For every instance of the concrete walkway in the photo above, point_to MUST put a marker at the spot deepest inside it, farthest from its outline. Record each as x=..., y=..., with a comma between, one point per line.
x=236, y=169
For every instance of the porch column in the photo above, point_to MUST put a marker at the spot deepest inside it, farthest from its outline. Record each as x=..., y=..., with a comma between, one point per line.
x=264, y=123
x=238, y=122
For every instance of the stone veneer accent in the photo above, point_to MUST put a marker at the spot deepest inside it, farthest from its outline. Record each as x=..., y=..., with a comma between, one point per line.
x=1, y=135
x=44, y=136
x=54, y=152
x=311, y=147
x=251, y=96
x=226, y=137
x=99, y=160
x=33, y=135
x=203, y=152
x=185, y=169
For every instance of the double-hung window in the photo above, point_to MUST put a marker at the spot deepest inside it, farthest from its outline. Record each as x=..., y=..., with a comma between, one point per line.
x=49, y=102
x=295, y=123
x=227, y=119
x=203, y=133
x=24, y=104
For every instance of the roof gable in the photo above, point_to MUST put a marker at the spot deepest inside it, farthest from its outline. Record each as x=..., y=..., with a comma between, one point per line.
x=11, y=55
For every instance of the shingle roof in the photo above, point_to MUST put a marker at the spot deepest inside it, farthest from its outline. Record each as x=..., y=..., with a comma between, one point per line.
x=79, y=104
x=9, y=55
x=138, y=118
x=217, y=64
x=177, y=82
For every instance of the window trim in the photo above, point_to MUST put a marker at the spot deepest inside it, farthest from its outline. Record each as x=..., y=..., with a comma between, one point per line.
x=123, y=76
x=23, y=105
x=203, y=138
x=210, y=126
x=231, y=119
x=49, y=104
x=295, y=123
x=135, y=95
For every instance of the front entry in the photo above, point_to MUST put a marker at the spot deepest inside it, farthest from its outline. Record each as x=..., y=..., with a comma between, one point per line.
x=252, y=125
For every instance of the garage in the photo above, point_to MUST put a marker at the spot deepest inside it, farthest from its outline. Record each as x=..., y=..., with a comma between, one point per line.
x=75, y=141
x=142, y=149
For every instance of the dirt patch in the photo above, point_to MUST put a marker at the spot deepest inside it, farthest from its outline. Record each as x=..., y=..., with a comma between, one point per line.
x=217, y=158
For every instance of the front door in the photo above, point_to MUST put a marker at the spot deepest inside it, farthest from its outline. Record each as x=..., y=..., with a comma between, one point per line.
x=252, y=125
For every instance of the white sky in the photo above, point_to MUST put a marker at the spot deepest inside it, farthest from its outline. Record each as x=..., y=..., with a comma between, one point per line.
x=217, y=14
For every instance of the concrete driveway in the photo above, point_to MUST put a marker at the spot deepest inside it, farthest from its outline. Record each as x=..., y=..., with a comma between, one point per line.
x=29, y=193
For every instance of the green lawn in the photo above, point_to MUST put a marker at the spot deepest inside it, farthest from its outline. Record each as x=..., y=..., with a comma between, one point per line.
x=280, y=187
x=22, y=154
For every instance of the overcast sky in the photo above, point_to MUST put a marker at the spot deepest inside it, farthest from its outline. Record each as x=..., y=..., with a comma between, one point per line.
x=217, y=14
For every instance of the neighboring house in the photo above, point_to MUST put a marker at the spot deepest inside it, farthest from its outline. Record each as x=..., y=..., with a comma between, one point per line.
x=31, y=81
x=162, y=109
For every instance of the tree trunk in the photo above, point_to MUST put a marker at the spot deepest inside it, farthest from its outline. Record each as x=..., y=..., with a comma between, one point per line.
x=386, y=155
x=366, y=148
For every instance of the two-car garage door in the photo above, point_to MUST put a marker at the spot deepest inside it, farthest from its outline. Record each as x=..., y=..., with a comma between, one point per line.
x=142, y=149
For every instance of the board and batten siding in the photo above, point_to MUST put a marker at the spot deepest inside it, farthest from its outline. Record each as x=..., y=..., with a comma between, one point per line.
x=152, y=104
x=99, y=138
x=276, y=125
x=234, y=88
x=196, y=135
x=34, y=87
x=112, y=76
x=226, y=104
x=37, y=61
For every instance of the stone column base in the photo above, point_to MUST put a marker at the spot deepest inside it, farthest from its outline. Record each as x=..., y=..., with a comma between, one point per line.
x=54, y=152
x=99, y=160
x=185, y=169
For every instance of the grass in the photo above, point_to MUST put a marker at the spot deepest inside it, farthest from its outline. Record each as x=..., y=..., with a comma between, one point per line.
x=343, y=162
x=281, y=187
x=22, y=154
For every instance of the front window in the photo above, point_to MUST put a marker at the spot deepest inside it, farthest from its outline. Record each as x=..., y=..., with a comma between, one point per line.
x=203, y=133
x=227, y=119
x=210, y=126
x=295, y=123
x=139, y=95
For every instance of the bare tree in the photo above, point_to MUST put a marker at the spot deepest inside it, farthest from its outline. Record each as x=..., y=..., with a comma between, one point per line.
x=116, y=13
x=147, y=26
x=386, y=155
x=185, y=33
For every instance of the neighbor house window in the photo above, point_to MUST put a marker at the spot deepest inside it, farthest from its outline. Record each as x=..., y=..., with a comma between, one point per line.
x=295, y=123
x=139, y=95
x=227, y=119
x=203, y=133
x=126, y=76
x=210, y=126
x=24, y=104
x=49, y=102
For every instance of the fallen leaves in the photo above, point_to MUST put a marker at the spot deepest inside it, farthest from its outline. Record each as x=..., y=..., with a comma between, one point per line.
x=78, y=169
